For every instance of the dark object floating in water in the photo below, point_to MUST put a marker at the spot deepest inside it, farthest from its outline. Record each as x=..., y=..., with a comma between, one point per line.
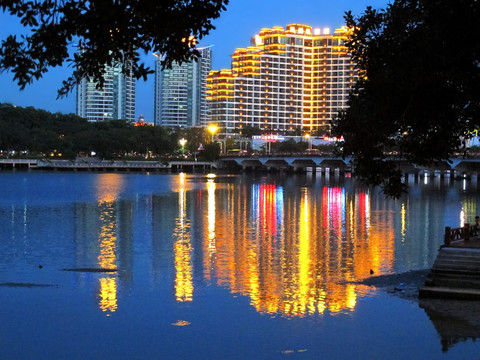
x=93, y=270
x=26, y=285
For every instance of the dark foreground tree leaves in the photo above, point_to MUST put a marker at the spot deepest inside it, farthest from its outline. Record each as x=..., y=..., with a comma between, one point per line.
x=108, y=32
x=417, y=98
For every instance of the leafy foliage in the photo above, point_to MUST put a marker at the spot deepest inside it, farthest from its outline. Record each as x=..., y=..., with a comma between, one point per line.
x=108, y=32
x=289, y=146
x=41, y=132
x=417, y=97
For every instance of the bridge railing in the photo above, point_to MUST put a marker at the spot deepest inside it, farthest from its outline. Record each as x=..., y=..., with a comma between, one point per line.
x=460, y=234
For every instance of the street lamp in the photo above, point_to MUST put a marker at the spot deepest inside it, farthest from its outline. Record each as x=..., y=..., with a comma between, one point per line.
x=213, y=129
x=307, y=137
x=182, y=142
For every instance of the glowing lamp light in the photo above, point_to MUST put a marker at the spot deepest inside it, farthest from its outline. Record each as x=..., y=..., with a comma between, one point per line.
x=213, y=129
x=182, y=142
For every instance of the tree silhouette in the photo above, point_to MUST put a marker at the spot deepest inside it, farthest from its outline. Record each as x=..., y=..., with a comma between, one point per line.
x=417, y=97
x=108, y=32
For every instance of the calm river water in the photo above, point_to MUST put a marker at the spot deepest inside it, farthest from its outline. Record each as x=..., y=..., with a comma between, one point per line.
x=227, y=267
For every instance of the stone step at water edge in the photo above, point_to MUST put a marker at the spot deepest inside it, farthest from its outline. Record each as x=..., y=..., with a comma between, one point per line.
x=459, y=251
x=446, y=292
x=460, y=257
x=453, y=272
x=454, y=283
x=456, y=265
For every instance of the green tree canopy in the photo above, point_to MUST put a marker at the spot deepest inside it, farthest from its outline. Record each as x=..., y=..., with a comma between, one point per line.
x=41, y=132
x=417, y=96
x=108, y=32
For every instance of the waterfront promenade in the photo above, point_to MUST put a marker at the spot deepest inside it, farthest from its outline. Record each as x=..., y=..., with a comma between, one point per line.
x=456, y=167
x=92, y=164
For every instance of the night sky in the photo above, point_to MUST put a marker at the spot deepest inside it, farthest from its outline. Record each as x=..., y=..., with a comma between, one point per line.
x=235, y=27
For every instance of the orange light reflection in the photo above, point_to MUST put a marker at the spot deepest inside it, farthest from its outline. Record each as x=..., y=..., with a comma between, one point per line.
x=182, y=248
x=308, y=266
x=108, y=188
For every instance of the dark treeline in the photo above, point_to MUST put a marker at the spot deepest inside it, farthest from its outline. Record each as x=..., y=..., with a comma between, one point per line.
x=41, y=133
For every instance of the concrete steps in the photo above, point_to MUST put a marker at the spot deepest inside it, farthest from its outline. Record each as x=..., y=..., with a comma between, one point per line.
x=454, y=274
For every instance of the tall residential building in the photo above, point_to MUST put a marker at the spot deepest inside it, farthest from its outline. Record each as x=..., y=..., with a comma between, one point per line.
x=115, y=101
x=180, y=92
x=290, y=79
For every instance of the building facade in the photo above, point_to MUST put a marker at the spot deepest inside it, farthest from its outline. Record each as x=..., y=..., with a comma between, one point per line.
x=115, y=101
x=180, y=92
x=292, y=79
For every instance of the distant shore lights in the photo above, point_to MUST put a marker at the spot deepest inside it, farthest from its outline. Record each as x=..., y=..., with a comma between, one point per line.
x=268, y=138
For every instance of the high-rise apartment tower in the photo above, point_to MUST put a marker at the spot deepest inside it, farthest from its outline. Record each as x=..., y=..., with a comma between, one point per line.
x=180, y=92
x=115, y=101
x=290, y=79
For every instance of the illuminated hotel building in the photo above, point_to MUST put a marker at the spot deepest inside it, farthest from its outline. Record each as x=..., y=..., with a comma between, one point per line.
x=180, y=92
x=115, y=101
x=289, y=79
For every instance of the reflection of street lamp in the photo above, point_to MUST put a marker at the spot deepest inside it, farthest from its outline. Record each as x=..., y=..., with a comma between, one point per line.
x=213, y=129
x=182, y=142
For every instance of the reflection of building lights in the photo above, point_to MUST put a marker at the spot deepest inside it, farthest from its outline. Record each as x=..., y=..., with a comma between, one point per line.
x=183, y=271
x=306, y=267
x=108, y=294
x=304, y=260
x=211, y=218
x=108, y=188
x=182, y=250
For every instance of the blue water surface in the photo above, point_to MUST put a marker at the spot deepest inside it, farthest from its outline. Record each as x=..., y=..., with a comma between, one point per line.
x=218, y=267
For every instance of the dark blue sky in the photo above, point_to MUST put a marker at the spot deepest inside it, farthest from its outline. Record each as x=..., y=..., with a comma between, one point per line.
x=242, y=20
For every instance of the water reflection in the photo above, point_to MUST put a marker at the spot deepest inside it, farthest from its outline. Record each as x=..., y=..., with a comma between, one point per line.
x=293, y=249
x=108, y=188
x=454, y=320
x=295, y=253
x=182, y=248
x=103, y=236
x=210, y=249
x=186, y=245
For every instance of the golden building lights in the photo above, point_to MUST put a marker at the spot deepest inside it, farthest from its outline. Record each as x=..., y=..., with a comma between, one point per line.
x=299, y=58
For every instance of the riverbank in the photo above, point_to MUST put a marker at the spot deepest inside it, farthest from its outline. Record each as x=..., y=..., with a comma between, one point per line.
x=404, y=285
